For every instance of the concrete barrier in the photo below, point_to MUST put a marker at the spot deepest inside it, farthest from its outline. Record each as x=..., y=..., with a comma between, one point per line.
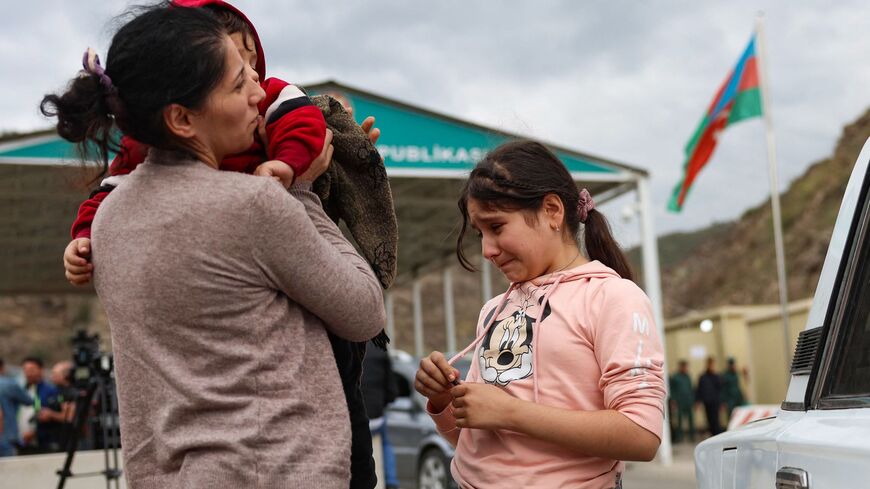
x=40, y=471
x=752, y=412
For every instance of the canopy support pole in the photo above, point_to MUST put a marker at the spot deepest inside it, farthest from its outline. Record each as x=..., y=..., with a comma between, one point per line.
x=449, y=313
x=416, y=292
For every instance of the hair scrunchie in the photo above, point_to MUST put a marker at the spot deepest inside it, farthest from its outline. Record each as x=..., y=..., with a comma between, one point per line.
x=584, y=205
x=92, y=66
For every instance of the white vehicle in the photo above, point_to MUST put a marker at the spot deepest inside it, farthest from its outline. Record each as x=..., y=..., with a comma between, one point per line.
x=820, y=437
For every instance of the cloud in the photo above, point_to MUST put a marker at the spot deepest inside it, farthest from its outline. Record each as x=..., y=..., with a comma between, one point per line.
x=625, y=80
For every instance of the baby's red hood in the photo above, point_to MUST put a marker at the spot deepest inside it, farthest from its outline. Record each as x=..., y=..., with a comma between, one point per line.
x=261, y=58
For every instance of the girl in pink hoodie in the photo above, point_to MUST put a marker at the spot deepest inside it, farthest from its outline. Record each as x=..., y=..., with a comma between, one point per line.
x=567, y=377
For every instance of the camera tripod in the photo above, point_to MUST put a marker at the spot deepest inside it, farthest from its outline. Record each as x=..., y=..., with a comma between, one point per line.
x=98, y=383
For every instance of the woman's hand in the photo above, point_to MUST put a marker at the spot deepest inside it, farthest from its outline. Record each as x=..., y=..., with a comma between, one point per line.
x=482, y=406
x=368, y=126
x=76, y=261
x=321, y=163
x=434, y=379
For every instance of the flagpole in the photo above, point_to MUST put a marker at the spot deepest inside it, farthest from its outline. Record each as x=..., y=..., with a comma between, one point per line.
x=774, y=189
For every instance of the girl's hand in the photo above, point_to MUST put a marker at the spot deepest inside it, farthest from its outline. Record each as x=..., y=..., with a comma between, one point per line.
x=76, y=261
x=482, y=406
x=321, y=163
x=434, y=379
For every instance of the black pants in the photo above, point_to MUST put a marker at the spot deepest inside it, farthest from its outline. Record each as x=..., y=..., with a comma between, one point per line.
x=348, y=359
x=712, y=411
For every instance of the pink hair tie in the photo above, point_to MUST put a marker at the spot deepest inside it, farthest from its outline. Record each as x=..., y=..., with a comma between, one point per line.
x=585, y=205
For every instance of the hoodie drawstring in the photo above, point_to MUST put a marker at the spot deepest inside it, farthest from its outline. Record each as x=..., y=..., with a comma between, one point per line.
x=536, y=332
x=485, y=329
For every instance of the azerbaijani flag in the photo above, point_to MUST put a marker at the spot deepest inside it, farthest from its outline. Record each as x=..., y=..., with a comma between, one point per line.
x=738, y=98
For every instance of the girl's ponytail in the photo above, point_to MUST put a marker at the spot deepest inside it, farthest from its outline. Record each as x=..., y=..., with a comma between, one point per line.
x=84, y=117
x=601, y=246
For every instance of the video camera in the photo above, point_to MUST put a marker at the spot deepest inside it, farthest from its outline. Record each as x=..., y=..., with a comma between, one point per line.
x=91, y=376
x=88, y=360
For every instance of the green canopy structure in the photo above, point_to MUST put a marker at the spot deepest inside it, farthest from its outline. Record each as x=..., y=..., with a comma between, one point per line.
x=427, y=155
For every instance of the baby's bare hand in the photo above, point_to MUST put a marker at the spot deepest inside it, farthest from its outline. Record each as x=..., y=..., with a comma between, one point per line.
x=278, y=170
x=76, y=261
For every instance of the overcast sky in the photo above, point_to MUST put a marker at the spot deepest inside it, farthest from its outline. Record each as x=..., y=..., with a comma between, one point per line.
x=625, y=80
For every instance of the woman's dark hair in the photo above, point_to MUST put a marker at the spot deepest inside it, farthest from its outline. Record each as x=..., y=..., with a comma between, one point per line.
x=164, y=55
x=516, y=176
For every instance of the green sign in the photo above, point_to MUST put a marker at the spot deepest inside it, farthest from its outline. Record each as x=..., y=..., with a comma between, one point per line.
x=417, y=140
x=53, y=148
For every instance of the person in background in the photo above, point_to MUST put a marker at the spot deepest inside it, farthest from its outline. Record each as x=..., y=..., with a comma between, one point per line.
x=709, y=393
x=59, y=409
x=379, y=389
x=38, y=437
x=61, y=377
x=682, y=402
x=12, y=396
x=732, y=394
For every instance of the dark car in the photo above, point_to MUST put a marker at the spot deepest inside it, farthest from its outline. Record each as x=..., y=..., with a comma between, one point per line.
x=422, y=455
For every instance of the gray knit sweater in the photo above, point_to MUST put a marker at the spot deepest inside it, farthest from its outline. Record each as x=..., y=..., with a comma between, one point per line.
x=218, y=288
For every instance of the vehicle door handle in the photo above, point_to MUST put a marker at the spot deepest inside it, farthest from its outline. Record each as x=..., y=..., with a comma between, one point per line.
x=792, y=478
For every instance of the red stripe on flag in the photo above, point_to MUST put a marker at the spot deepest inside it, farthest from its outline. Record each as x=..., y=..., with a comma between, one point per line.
x=749, y=80
x=703, y=151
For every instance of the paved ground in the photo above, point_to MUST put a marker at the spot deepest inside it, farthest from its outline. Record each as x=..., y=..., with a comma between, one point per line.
x=38, y=471
x=653, y=475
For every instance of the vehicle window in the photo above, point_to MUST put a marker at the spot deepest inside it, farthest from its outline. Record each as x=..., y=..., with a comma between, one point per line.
x=849, y=375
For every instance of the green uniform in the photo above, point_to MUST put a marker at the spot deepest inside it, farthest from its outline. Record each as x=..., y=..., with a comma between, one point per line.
x=732, y=396
x=683, y=395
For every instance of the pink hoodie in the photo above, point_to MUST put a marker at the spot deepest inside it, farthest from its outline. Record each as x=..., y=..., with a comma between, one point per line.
x=579, y=339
